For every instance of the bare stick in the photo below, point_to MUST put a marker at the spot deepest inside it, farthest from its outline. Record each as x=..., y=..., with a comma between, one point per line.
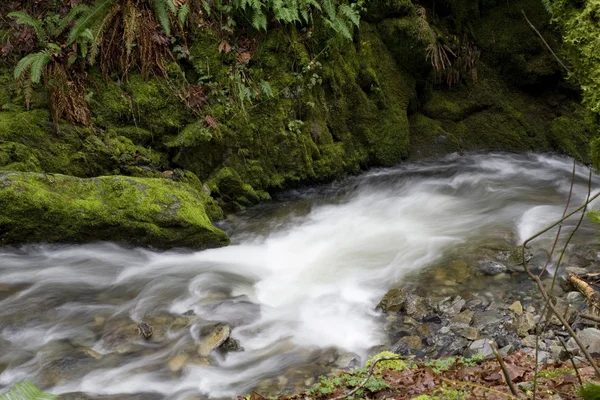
x=369, y=374
x=509, y=381
x=572, y=361
x=590, y=317
x=560, y=226
x=546, y=43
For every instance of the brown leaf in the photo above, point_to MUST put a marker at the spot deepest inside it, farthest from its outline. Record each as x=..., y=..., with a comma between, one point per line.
x=224, y=47
x=244, y=57
x=256, y=396
x=513, y=371
x=211, y=122
x=496, y=376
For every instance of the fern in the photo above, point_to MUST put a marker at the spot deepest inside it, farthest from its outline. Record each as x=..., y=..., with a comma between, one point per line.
x=93, y=14
x=34, y=64
x=161, y=11
x=27, y=391
x=183, y=13
x=26, y=19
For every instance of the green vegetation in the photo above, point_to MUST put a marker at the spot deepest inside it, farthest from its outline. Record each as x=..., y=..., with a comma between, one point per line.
x=444, y=364
x=151, y=211
x=27, y=391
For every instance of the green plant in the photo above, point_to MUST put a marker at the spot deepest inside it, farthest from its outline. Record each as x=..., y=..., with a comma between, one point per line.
x=53, y=63
x=27, y=391
x=589, y=391
x=445, y=364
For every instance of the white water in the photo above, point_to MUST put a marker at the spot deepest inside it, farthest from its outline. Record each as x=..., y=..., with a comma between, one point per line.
x=316, y=275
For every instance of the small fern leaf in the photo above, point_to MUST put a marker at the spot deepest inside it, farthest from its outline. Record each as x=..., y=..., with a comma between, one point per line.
x=38, y=65
x=26, y=19
x=259, y=20
x=71, y=16
x=92, y=14
x=350, y=13
x=27, y=391
x=23, y=66
x=184, y=12
x=161, y=13
x=589, y=392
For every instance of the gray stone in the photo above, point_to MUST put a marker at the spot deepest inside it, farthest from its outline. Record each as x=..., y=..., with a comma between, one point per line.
x=481, y=346
x=492, y=268
x=347, y=361
x=416, y=306
x=452, y=307
x=590, y=337
x=576, y=300
x=487, y=319
x=468, y=332
x=393, y=301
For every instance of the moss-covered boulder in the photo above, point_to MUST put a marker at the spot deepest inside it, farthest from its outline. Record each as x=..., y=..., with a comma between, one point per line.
x=157, y=212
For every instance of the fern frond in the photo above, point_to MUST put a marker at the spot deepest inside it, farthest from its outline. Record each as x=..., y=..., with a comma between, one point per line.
x=34, y=63
x=26, y=19
x=161, y=12
x=92, y=14
x=183, y=13
x=259, y=20
x=98, y=30
x=27, y=391
x=350, y=13
x=69, y=18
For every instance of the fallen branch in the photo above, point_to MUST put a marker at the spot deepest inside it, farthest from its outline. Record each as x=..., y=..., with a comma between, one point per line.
x=509, y=381
x=584, y=288
x=572, y=361
x=590, y=317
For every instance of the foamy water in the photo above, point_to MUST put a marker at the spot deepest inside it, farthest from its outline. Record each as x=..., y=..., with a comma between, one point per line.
x=303, y=274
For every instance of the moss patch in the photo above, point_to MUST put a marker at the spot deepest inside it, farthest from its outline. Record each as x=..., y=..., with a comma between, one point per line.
x=58, y=208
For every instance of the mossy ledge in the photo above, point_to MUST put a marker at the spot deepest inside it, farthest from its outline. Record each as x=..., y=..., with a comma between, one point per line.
x=140, y=211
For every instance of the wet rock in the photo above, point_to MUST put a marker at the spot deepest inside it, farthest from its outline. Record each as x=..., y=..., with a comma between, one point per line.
x=464, y=317
x=176, y=363
x=231, y=345
x=94, y=354
x=481, y=346
x=451, y=306
x=524, y=324
x=393, y=301
x=425, y=330
x=145, y=330
x=408, y=345
x=416, y=306
x=516, y=307
x=433, y=318
x=576, y=300
x=492, y=268
x=63, y=370
x=347, y=361
x=214, y=340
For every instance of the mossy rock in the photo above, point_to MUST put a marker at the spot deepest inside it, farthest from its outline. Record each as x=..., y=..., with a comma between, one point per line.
x=141, y=211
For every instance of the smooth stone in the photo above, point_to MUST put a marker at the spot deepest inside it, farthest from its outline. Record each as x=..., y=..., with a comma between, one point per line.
x=213, y=341
x=590, y=337
x=452, y=307
x=468, y=332
x=486, y=319
x=176, y=363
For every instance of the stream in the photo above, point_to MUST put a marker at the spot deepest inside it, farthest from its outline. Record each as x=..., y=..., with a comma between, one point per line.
x=299, y=285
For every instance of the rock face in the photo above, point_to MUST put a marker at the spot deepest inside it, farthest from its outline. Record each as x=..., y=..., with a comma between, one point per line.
x=140, y=211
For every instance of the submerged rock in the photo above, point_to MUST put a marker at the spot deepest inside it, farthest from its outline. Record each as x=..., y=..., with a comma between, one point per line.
x=140, y=211
x=492, y=268
x=214, y=340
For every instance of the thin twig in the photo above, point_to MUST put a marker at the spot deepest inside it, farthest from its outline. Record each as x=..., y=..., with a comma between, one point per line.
x=572, y=361
x=564, y=213
x=590, y=317
x=369, y=374
x=546, y=43
x=509, y=381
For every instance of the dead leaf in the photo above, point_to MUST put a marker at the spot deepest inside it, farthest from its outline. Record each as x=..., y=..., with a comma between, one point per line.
x=496, y=376
x=256, y=396
x=244, y=57
x=224, y=47
x=513, y=371
x=210, y=121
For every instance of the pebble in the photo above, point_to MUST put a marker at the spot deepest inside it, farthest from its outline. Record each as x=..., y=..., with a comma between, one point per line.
x=516, y=307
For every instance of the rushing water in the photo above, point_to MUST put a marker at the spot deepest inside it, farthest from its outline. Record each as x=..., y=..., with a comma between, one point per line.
x=304, y=274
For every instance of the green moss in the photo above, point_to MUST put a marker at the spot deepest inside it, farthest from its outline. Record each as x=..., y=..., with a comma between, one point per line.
x=396, y=364
x=58, y=208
